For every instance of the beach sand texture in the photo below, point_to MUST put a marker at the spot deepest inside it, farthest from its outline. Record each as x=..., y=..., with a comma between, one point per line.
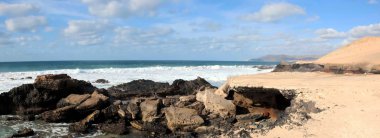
x=350, y=103
x=362, y=51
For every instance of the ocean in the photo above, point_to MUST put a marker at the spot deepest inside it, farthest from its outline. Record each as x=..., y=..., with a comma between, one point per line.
x=13, y=74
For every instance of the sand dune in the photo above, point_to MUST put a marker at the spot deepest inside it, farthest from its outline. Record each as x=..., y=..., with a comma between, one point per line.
x=362, y=51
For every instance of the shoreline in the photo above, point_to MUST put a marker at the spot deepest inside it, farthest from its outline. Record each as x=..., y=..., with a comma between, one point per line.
x=314, y=105
x=144, y=104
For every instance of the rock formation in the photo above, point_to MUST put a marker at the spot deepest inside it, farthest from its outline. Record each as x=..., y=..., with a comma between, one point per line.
x=183, y=109
x=42, y=95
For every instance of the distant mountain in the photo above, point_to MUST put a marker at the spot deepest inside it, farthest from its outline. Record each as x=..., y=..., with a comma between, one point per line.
x=289, y=58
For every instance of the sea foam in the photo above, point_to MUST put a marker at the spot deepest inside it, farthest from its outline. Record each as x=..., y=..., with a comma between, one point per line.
x=215, y=74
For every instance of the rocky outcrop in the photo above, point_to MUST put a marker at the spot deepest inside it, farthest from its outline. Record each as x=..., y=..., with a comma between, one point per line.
x=42, y=95
x=95, y=102
x=216, y=103
x=78, y=107
x=183, y=109
x=140, y=88
x=183, y=119
x=182, y=87
x=258, y=97
x=329, y=68
x=296, y=67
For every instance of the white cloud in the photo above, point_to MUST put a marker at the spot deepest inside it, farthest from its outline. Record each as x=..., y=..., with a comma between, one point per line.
x=24, y=40
x=372, y=1
x=86, y=32
x=208, y=26
x=275, y=12
x=28, y=23
x=142, y=37
x=17, y=9
x=329, y=33
x=122, y=8
x=367, y=30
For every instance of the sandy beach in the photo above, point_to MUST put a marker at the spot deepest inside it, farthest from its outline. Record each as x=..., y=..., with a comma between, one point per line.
x=349, y=102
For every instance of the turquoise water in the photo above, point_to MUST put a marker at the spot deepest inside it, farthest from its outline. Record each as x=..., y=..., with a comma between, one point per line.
x=55, y=65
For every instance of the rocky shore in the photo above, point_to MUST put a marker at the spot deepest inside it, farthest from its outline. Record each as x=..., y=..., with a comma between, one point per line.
x=182, y=109
x=329, y=68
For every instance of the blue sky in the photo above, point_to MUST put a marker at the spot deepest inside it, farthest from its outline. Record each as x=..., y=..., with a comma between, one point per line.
x=180, y=29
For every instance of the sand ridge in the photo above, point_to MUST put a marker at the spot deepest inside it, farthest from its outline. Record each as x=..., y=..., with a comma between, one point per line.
x=362, y=51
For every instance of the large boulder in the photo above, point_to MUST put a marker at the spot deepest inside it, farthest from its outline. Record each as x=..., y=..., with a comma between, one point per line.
x=182, y=87
x=64, y=114
x=138, y=88
x=149, y=109
x=77, y=107
x=182, y=119
x=42, y=95
x=95, y=102
x=216, y=103
x=73, y=99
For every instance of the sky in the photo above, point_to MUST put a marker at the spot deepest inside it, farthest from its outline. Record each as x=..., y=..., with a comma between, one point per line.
x=233, y=30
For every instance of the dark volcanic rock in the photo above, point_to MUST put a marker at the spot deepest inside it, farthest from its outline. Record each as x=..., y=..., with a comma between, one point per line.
x=258, y=97
x=150, y=127
x=25, y=132
x=42, y=95
x=119, y=127
x=84, y=125
x=182, y=87
x=110, y=114
x=295, y=67
x=134, y=110
x=330, y=68
x=138, y=88
x=102, y=81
